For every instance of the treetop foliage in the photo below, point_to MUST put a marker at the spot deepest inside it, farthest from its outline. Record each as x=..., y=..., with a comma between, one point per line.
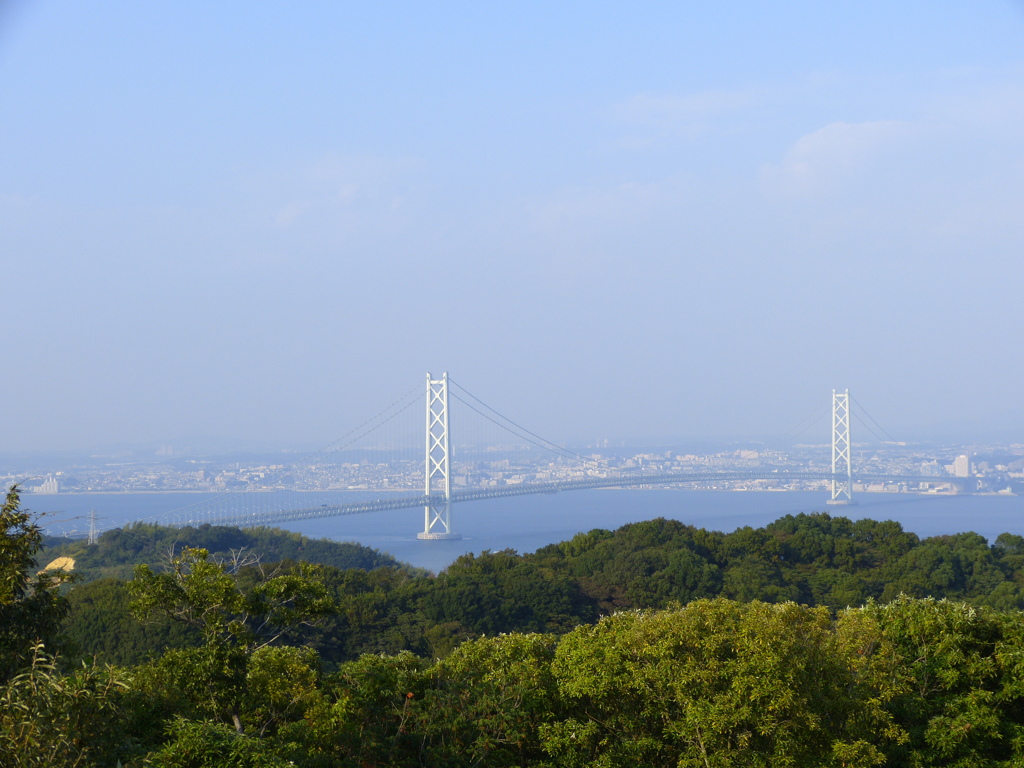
x=31, y=607
x=214, y=598
x=815, y=641
x=815, y=559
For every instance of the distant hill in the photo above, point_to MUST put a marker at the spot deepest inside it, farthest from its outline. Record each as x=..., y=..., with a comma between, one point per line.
x=117, y=552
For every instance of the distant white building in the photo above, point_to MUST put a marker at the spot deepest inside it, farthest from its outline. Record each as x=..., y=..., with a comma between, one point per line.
x=48, y=486
x=961, y=466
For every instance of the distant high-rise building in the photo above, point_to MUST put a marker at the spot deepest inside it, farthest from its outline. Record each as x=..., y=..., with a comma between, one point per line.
x=961, y=466
x=48, y=486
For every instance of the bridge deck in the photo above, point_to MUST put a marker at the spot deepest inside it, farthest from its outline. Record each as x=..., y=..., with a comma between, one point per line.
x=520, y=489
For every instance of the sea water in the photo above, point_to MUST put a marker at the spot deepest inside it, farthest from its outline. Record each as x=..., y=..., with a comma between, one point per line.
x=525, y=523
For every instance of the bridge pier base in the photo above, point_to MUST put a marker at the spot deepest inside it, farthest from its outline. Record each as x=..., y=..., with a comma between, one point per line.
x=427, y=536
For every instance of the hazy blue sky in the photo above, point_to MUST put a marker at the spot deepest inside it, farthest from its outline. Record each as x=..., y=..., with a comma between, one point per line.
x=265, y=220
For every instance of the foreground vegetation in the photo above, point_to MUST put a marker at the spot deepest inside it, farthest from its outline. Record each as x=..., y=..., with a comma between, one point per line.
x=655, y=645
x=814, y=560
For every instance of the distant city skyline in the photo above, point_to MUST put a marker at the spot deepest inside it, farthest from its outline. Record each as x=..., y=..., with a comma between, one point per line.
x=246, y=490
x=653, y=223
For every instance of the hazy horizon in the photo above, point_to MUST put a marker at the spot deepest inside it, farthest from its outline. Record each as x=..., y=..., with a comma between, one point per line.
x=260, y=223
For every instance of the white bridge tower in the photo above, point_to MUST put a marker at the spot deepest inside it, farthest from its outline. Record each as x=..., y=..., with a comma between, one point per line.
x=437, y=511
x=842, y=465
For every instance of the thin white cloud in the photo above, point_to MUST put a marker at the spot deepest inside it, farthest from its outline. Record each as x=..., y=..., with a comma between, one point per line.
x=829, y=159
x=604, y=206
x=289, y=213
x=336, y=185
x=657, y=118
x=675, y=109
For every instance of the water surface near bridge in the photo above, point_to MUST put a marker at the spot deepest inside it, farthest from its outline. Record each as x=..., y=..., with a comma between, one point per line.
x=526, y=523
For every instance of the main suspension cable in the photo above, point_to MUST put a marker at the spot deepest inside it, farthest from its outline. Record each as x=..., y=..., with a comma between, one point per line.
x=544, y=442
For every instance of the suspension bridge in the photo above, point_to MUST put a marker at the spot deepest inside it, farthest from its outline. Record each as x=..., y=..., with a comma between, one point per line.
x=445, y=480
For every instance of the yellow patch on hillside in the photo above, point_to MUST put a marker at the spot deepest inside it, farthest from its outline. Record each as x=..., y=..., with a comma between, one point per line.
x=61, y=564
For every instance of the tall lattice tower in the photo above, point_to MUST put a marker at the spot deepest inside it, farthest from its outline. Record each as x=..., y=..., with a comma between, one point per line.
x=842, y=465
x=437, y=511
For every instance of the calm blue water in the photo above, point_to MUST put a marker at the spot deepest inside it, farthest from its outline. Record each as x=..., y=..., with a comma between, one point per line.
x=528, y=522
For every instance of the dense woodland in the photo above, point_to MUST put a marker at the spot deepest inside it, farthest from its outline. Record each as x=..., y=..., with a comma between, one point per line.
x=813, y=641
x=117, y=552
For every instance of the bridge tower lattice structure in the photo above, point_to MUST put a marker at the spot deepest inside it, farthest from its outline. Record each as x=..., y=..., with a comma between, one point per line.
x=437, y=522
x=842, y=463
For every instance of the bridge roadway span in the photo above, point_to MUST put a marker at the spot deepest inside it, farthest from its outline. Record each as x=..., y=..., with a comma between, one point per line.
x=404, y=501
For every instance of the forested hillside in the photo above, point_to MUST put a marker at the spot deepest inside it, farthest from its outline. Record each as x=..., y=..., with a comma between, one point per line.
x=657, y=644
x=118, y=551
x=815, y=560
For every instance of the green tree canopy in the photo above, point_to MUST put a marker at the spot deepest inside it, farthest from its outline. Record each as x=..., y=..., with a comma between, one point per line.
x=31, y=608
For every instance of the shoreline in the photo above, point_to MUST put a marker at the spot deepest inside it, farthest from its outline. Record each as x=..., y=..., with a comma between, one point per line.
x=652, y=487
